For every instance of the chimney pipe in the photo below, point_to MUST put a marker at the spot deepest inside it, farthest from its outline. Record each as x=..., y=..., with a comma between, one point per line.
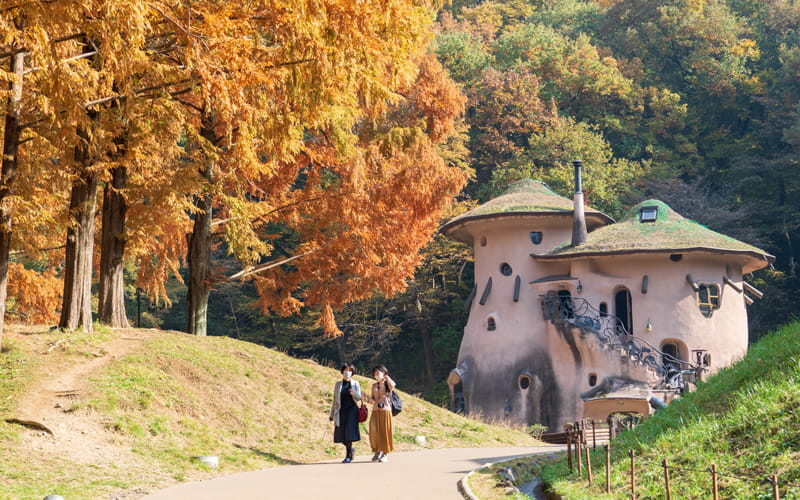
x=579, y=232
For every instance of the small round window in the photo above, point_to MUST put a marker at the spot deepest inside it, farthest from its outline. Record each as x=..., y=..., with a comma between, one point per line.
x=491, y=324
x=505, y=269
x=536, y=237
x=524, y=382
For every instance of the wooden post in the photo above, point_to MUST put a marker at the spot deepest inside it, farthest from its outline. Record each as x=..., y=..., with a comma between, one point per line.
x=775, y=492
x=666, y=477
x=714, y=484
x=594, y=436
x=612, y=430
x=569, y=451
x=633, y=474
x=578, y=453
x=608, y=469
x=588, y=464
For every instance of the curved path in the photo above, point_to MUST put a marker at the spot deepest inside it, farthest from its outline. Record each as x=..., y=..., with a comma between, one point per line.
x=430, y=474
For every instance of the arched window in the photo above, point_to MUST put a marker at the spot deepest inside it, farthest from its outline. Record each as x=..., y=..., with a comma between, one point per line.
x=603, y=309
x=483, y=241
x=491, y=324
x=672, y=356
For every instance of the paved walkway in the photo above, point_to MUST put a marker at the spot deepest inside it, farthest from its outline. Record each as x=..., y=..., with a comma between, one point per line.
x=417, y=475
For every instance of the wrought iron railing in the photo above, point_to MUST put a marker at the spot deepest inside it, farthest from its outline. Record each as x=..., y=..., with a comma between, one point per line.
x=610, y=331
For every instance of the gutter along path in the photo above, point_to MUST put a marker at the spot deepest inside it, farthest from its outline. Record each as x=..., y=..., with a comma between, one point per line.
x=416, y=475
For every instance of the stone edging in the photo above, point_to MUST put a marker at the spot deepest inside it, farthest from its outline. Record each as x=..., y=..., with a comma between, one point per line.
x=463, y=486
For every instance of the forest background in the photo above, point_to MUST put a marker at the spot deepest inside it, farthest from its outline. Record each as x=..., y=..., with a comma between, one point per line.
x=262, y=169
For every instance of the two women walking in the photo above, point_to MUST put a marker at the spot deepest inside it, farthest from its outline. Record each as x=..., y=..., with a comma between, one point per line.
x=344, y=412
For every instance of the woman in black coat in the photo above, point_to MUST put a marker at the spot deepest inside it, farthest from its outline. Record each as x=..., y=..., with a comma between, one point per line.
x=344, y=411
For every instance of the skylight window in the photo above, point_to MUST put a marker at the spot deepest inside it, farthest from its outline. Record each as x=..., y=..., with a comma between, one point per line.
x=648, y=214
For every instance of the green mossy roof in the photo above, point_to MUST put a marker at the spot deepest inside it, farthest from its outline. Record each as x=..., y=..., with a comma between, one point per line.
x=523, y=197
x=669, y=232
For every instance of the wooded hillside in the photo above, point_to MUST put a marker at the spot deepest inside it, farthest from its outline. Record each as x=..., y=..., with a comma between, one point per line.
x=313, y=151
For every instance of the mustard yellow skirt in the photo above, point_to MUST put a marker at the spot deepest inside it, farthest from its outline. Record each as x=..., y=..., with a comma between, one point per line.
x=380, y=430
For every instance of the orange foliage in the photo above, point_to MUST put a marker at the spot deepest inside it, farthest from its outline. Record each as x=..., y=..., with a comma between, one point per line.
x=316, y=129
x=364, y=218
x=33, y=297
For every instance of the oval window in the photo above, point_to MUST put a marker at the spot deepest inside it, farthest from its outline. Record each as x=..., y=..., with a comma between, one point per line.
x=505, y=269
x=536, y=237
x=483, y=241
x=491, y=324
x=524, y=382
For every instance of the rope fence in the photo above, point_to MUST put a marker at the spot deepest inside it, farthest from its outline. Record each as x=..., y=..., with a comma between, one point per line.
x=579, y=459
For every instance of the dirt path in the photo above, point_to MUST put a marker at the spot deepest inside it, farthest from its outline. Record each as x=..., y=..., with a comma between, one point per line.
x=50, y=427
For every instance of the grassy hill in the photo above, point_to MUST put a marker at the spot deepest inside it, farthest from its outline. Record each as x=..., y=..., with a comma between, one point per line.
x=745, y=419
x=134, y=408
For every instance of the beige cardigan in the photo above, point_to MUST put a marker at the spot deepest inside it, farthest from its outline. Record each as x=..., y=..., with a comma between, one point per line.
x=337, y=398
x=379, y=394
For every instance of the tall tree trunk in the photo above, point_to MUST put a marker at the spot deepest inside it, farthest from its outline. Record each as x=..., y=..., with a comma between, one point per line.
x=782, y=202
x=199, y=261
x=199, y=257
x=111, y=296
x=11, y=137
x=428, y=350
x=341, y=348
x=76, y=311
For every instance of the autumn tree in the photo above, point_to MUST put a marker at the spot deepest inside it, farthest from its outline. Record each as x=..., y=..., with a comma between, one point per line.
x=370, y=221
x=279, y=93
x=28, y=198
x=12, y=97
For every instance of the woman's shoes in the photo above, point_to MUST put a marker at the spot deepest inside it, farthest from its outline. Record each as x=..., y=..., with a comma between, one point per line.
x=376, y=456
x=347, y=460
x=383, y=458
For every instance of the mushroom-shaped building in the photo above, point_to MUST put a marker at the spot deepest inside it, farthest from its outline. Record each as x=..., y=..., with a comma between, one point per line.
x=628, y=310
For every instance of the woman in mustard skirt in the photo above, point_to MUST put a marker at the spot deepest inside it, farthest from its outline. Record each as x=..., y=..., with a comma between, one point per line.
x=380, y=422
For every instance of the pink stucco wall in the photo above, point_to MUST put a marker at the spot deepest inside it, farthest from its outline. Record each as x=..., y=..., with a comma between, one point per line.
x=558, y=365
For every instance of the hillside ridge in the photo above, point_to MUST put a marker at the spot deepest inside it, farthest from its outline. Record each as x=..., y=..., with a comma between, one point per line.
x=743, y=420
x=130, y=410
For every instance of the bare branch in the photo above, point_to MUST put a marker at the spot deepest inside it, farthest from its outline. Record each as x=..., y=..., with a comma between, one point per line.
x=138, y=93
x=284, y=207
x=190, y=105
x=24, y=252
x=179, y=26
x=244, y=273
x=55, y=40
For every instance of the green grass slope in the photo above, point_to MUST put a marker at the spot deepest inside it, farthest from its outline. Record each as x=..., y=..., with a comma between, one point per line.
x=174, y=397
x=745, y=419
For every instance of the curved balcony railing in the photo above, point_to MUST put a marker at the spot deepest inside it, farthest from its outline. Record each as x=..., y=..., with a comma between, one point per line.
x=610, y=331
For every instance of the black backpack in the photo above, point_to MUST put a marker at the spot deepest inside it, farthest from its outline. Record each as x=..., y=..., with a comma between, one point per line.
x=396, y=402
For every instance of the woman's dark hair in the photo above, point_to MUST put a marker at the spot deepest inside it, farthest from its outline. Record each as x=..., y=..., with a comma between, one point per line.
x=380, y=368
x=346, y=366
